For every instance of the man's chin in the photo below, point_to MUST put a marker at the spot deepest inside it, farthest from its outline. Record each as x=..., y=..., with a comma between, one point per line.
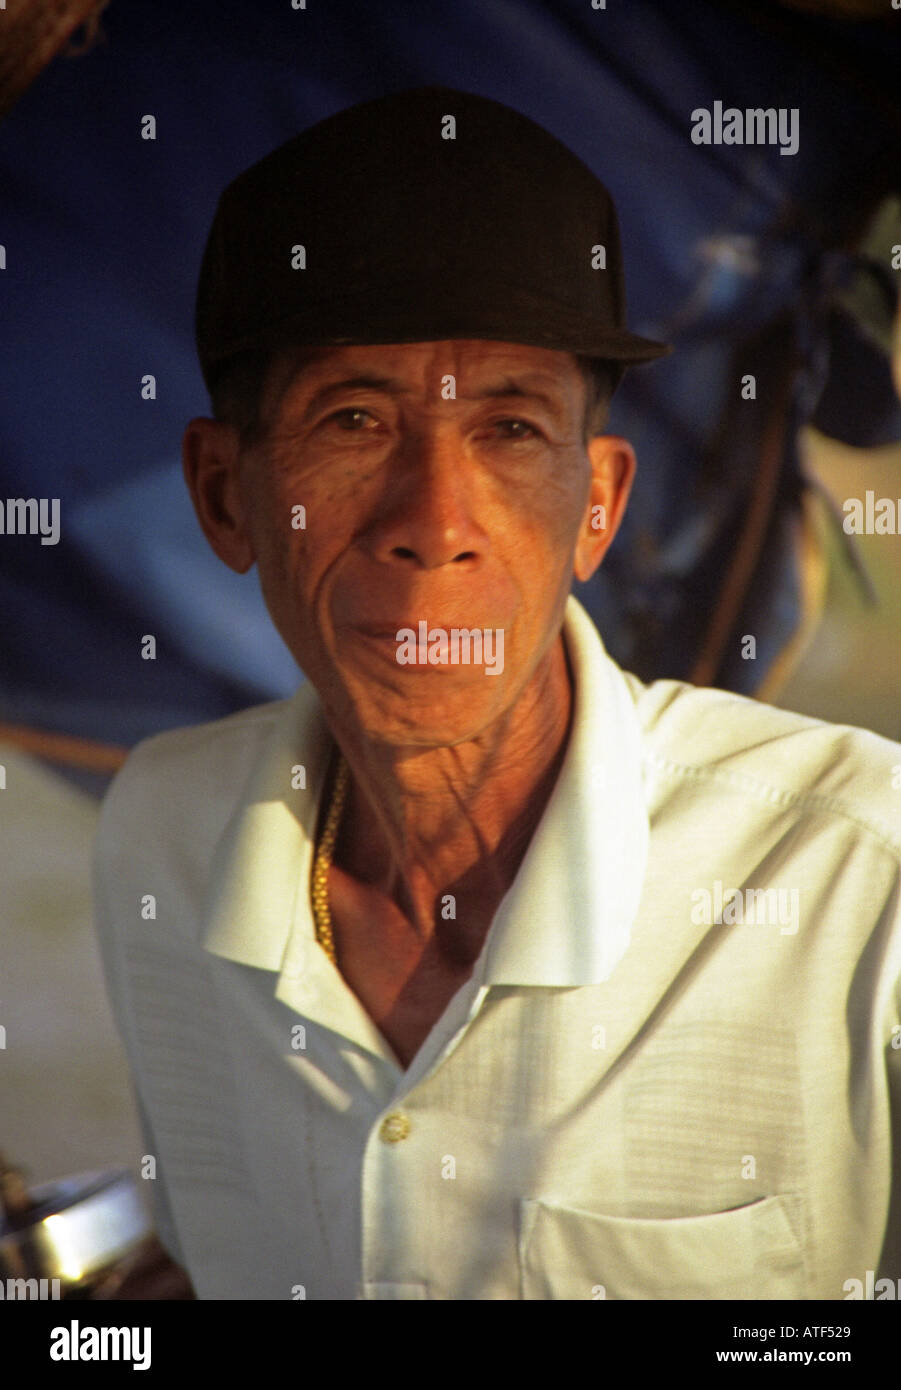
x=422, y=718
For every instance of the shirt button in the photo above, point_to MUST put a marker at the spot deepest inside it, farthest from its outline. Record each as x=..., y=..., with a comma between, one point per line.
x=394, y=1127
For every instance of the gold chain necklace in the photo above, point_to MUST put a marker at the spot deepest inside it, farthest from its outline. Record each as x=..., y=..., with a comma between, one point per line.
x=322, y=916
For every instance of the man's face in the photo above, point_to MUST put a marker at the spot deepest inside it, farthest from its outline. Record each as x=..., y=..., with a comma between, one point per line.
x=447, y=483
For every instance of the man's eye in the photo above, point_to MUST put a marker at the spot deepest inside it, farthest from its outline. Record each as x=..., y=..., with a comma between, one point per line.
x=516, y=429
x=351, y=418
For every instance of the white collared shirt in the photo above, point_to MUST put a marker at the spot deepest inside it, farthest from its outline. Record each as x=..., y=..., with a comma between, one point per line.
x=659, y=1081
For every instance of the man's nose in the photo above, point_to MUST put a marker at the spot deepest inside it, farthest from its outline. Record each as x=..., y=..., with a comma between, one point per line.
x=426, y=519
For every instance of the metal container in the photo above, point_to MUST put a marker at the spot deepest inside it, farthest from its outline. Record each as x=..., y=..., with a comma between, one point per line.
x=74, y=1231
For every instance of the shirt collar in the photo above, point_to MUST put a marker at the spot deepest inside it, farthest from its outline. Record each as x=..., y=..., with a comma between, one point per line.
x=260, y=872
x=567, y=917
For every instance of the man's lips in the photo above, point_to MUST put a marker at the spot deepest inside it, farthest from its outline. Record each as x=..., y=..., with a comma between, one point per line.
x=409, y=625
x=422, y=646
x=381, y=629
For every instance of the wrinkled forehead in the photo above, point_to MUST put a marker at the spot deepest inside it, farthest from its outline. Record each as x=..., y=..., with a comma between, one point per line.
x=477, y=363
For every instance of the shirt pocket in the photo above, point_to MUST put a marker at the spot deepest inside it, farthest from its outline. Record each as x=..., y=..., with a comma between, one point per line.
x=747, y=1252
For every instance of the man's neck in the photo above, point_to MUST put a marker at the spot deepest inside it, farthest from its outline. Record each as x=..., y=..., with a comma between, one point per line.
x=456, y=820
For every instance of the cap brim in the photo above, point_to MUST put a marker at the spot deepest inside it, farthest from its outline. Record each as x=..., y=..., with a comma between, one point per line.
x=412, y=314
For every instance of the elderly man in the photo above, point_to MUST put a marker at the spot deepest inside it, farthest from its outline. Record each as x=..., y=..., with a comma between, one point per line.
x=479, y=969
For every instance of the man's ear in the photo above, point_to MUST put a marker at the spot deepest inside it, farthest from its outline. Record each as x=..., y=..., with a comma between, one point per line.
x=210, y=452
x=612, y=470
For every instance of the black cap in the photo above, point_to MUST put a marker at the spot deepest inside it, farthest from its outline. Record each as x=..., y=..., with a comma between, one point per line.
x=410, y=236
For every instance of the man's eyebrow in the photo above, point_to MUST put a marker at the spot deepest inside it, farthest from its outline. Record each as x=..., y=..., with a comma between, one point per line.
x=366, y=382
x=509, y=386
x=504, y=387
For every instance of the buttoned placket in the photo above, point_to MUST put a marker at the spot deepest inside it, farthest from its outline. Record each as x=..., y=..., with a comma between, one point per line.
x=311, y=985
x=392, y=1165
